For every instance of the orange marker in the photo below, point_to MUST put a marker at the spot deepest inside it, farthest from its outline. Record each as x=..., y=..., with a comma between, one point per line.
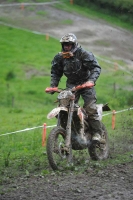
x=22, y=6
x=71, y=2
x=47, y=36
x=116, y=66
x=113, y=119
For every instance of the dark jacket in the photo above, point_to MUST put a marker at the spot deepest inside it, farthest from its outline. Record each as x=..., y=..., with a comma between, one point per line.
x=78, y=69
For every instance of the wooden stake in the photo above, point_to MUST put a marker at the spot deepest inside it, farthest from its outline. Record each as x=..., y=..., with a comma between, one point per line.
x=71, y=2
x=47, y=36
x=113, y=119
x=22, y=6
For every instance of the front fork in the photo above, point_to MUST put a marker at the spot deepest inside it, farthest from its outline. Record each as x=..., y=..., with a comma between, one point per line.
x=68, y=128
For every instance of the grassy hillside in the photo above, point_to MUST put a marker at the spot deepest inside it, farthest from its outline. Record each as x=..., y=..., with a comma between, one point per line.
x=24, y=74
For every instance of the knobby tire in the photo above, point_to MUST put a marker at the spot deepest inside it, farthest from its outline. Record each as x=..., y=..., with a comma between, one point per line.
x=52, y=147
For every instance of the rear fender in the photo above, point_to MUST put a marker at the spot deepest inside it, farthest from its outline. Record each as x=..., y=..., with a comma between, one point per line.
x=55, y=112
x=101, y=108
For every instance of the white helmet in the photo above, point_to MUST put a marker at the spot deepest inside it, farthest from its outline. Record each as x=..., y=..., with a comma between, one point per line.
x=70, y=37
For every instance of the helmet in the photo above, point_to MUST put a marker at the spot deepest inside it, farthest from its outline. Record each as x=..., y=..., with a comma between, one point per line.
x=70, y=38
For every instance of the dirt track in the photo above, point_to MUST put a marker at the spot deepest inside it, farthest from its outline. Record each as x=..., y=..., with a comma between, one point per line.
x=102, y=39
x=111, y=184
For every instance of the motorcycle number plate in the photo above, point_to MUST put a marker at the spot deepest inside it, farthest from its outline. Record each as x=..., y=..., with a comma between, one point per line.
x=55, y=112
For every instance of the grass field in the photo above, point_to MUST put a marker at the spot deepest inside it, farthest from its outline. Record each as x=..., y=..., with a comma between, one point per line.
x=24, y=75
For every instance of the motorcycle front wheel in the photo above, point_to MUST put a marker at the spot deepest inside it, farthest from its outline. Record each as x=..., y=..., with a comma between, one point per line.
x=100, y=152
x=57, y=157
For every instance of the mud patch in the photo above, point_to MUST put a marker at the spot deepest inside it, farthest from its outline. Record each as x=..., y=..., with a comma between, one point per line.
x=114, y=182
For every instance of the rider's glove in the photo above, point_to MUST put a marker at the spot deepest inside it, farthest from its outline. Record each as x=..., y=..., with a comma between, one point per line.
x=88, y=84
x=49, y=90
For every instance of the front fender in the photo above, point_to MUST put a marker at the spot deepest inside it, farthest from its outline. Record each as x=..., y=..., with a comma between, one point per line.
x=55, y=112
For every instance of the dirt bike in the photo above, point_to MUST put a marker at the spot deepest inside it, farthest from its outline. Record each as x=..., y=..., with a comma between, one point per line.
x=73, y=131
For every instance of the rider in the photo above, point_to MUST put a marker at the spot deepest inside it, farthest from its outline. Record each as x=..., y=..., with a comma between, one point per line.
x=79, y=66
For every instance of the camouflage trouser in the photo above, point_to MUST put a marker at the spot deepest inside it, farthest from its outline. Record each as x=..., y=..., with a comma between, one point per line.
x=89, y=97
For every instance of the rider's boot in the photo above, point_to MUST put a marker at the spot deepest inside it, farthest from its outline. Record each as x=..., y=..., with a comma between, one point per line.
x=96, y=131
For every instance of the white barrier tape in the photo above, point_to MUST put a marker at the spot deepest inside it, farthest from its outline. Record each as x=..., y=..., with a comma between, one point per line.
x=23, y=29
x=50, y=126
x=115, y=112
x=106, y=114
x=128, y=109
x=28, y=129
x=113, y=63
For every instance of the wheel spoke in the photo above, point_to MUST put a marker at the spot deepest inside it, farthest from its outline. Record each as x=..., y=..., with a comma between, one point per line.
x=58, y=157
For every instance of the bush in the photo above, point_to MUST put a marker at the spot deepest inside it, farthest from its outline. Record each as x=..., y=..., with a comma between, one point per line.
x=118, y=7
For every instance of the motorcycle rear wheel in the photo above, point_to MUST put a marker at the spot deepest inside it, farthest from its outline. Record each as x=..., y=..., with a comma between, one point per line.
x=100, y=152
x=58, y=159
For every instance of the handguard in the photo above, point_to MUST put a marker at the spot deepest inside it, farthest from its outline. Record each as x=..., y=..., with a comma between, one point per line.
x=88, y=84
x=51, y=89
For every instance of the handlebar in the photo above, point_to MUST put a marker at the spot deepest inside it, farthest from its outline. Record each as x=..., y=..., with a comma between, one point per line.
x=88, y=84
x=54, y=89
